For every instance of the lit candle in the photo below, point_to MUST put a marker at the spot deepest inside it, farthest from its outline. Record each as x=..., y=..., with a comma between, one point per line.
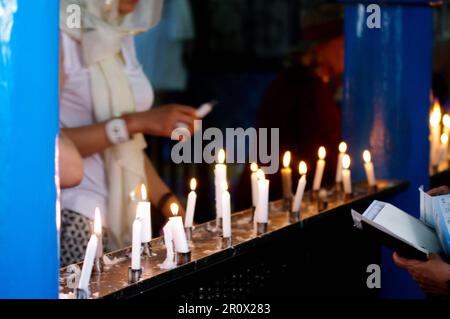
x=300, y=187
x=220, y=176
x=190, y=207
x=443, y=151
x=346, y=174
x=136, y=245
x=446, y=123
x=319, y=168
x=342, y=150
x=98, y=232
x=179, y=236
x=168, y=242
x=143, y=211
x=226, y=211
x=435, y=133
x=254, y=181
x=88, y=263
x=262, y=206
x=286, y=176
x=368, y=167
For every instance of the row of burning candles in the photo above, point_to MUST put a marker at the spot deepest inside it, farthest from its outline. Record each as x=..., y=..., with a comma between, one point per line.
x=439, y=138
x=177, y=234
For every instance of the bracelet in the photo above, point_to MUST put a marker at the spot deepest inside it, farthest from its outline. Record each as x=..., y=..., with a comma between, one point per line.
x=163, y=201
x=117, y=131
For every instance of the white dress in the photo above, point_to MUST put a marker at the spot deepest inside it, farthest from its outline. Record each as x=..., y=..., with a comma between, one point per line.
x=76, y=109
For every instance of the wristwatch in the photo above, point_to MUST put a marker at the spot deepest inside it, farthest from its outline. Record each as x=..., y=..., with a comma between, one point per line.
x=117, y=131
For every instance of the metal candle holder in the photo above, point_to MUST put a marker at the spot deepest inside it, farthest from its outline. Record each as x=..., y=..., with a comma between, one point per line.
x=287, y=203
x=261, y=228
x=134, y=275
x=218, y=223
x=147, y=249
x=81, y=293
x=183, y=258
x=98, y=265
x=294, y=216
x=224, y=242
x=188, y=231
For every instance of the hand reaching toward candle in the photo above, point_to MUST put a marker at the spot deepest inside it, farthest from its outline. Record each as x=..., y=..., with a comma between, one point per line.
x=162, y=120
x=432, y=275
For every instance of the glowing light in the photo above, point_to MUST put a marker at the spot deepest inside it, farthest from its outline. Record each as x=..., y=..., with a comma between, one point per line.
x=193, y=184
x=260, y=174
x=254, y=167
x=286, y=159
x=436, y=114
x=322, y=152
x=302, y=168
x=97, y=222
x=367, y=157
x=225, y=186
x=446, y=121
x=343, y=147
x=143, y=192
x=174, y=209
x=444, y=138
x=221, y=156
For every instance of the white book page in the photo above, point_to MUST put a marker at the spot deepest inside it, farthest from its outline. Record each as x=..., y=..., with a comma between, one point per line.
x=408, y=228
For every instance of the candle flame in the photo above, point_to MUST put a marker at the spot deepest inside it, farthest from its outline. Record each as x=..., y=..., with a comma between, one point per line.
x=367, y=157
x=346, y=161
x=254, y=167
x=221, y=156
x=133, y=195
x=143, y=192
x=193, y=184
x=444, y=138
x=174, y=209
x=97, y=222
x=446, y=121
x=260, y=174
x=436, y=114
x=322, y=152
x=302, y=168
x=343, y=147
x=286, y=159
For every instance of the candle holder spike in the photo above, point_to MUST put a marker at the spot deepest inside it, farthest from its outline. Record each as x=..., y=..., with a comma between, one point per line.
x=183, y=258
x=134, y=275
x=147, y=249
x=188, y=231
x=294, y=216
x=81, y=293
x=261, y=228
x=99, y=265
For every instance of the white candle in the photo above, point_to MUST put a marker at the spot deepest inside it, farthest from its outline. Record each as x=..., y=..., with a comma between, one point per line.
x=346, y=174
x=286, y=176
x=168, y=241
x=88, y=263
x=220, y=176
x=254, y=183
x=190, y=207
x=319, y=169
x=300, y=187
x=179, y=236
x=435, y=133
x=98, y=232
x=143, y=211
x=342, y=150
x=226, y=212
x=443, y=151
x=136, y=245
x=368, y=167
x=262, y=206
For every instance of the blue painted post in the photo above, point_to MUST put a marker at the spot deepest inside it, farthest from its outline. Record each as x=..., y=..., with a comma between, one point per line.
x=387, y=84
x=28, y=128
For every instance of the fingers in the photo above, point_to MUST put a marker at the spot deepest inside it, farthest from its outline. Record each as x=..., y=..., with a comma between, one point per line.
x=404, y=262
x=187, y=110
x=442, y=190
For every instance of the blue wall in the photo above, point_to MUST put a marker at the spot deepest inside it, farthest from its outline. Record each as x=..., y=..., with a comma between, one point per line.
x=386, y=103
x=28, y=128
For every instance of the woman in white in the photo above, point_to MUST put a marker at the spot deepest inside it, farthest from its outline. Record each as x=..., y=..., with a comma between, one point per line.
x=105, y=109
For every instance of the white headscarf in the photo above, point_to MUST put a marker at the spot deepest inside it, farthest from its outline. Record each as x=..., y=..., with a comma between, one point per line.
x=101, y=33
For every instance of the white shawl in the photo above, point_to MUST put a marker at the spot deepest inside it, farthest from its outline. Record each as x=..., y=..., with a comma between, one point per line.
x=100, y=35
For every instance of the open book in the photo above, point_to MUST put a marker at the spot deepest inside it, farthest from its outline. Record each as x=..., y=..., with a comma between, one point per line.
x=407, y=235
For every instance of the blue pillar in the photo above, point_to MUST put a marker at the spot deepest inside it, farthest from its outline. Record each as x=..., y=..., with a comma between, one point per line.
x=29, y=58
x=387, y=85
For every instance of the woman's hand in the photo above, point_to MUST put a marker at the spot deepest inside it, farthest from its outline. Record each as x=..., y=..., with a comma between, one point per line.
x=162, y=120
x=431, y=275
x=442, y=190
